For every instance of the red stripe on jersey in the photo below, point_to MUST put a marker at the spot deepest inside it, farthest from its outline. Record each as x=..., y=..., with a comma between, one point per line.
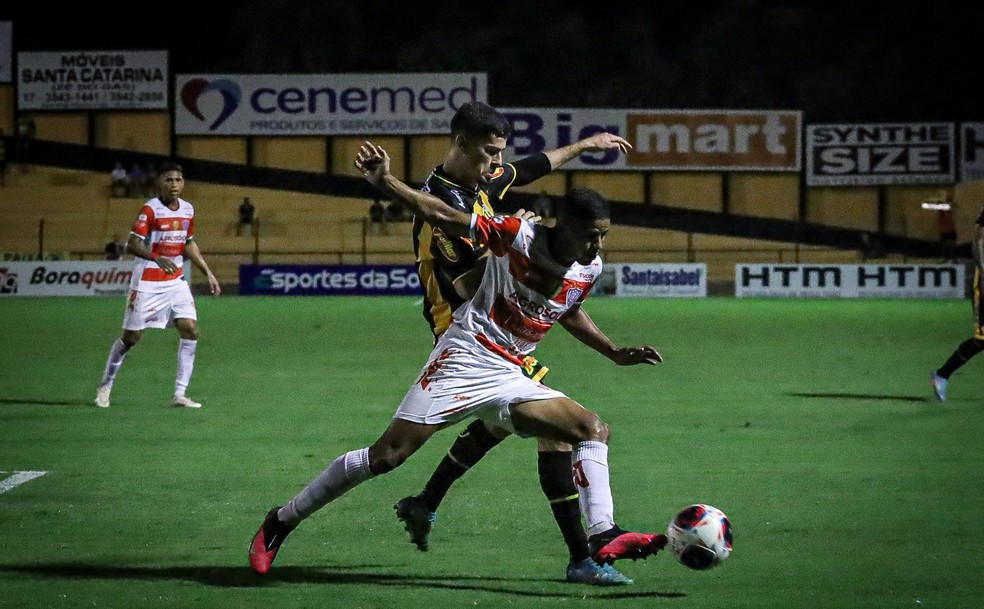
x=487, y=342
x=167, y=248
x=152, y=274
x=511, y=318
x=498, y=232
x=144, y=221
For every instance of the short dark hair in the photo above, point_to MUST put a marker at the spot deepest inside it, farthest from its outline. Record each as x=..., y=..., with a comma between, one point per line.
x=476, y=119
x=171, y=166
x=584, y=204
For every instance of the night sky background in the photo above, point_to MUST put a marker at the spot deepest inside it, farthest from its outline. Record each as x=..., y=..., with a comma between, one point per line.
x=836, y=61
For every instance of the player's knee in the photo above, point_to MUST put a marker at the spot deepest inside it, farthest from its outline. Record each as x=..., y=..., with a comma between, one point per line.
x=592, y=428
x=130, y=338
x=979, y=344
x=384, y=460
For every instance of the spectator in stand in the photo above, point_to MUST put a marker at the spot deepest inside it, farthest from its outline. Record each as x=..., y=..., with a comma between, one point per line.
x=118, y=180
x=149, y=186
x=247, y=215
x=377, y=215
x=135, y=180
x=396, y=211
x=114, y=248
x=26, y=130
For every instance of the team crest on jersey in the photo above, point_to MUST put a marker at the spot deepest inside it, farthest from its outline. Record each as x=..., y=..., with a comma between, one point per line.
x=185, y=224
x=573, y=295
x=445, y=246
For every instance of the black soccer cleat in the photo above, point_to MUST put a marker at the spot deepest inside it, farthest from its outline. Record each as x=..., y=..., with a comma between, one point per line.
x=417, y=520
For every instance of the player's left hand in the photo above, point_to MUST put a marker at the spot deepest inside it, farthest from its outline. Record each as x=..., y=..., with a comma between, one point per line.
x=630, y=356
x=213, y=285
x=529, y=216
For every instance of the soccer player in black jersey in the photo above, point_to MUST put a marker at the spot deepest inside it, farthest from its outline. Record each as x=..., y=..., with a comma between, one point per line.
x=473, y=178
x=940, y=378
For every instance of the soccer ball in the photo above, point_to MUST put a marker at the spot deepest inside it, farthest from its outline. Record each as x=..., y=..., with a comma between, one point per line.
x=700, y=536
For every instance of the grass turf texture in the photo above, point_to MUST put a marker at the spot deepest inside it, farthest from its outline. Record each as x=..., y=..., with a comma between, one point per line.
x=811, y=423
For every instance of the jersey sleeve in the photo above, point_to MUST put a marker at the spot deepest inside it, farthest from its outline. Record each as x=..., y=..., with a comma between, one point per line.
x=144, y=223
x=498, y=232
x=531, y=168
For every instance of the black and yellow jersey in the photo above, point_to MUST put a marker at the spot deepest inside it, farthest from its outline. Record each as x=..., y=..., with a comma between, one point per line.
x=443, y=258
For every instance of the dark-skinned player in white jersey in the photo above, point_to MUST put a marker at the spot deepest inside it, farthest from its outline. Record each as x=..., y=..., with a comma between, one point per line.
x=474, y=178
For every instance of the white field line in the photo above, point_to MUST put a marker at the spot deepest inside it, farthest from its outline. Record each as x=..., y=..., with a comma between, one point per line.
x=17, y=479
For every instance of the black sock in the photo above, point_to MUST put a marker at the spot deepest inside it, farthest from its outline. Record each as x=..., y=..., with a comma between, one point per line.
x=468, y=449
x=967, y=349
x=558, y=485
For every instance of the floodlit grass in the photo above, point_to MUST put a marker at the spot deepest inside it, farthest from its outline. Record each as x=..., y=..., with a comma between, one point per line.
x=811, y=423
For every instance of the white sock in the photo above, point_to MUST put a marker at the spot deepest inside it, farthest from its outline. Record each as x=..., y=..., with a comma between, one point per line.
x=345, y=473
x=186, y=363
x=117, y=353
x=590, y=462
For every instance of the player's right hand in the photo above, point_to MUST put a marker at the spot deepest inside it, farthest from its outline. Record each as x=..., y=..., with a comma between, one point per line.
x=373, y=161
x=167, y=265
x=631, y=356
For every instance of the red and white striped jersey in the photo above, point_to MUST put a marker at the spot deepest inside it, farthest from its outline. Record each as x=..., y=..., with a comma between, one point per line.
x=165, y=231
x=517, y=301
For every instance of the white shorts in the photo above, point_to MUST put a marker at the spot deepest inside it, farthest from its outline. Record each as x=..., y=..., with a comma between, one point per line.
x=461, y=380
x=159, y=309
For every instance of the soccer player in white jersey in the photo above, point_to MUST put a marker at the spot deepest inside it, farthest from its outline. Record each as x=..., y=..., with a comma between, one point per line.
x=161, y=238
x=536, y=276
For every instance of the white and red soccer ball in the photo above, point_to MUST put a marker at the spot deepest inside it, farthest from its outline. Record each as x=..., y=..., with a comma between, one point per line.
x=700, y=536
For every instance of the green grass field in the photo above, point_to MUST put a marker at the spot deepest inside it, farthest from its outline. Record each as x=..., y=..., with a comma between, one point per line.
x=811, y=423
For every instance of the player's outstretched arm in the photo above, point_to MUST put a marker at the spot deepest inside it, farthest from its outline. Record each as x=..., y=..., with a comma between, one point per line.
x=374, y=163
x=598, y=141
x=582, y=327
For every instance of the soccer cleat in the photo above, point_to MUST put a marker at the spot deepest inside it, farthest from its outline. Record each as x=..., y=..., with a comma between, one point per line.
x=939, y=386
x=616, y=544
x=589, y=572
x=266, y=543
x=182, y=401
x=417, y=519
x=102, y=396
